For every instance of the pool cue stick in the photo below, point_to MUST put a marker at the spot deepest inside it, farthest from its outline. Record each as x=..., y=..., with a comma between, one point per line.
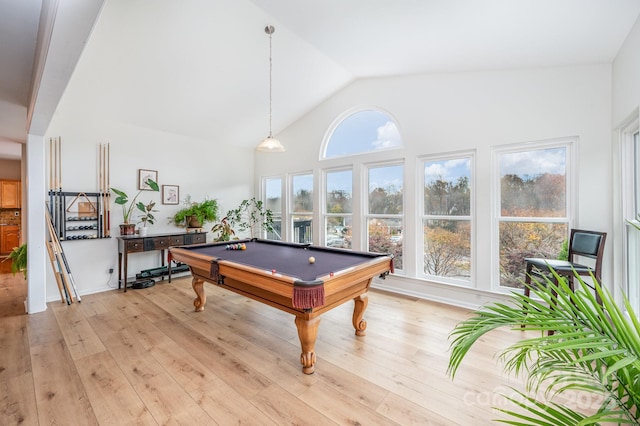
x=105, y=190
x=61, y=213
x=56, y=187
x=108, y=189
x=57, y=248
x=50, y=174
x=100, y=193
x=56, y=271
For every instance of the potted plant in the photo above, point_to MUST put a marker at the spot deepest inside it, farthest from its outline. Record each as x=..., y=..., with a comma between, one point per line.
x=595, y=349
x=196, y=214
x=223, y=230
x=252, y=216
x=128, y=228
x=146, y=217
x=18, y=257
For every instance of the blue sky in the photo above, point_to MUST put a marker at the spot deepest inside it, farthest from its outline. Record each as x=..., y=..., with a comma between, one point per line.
x=447, y=170
x=363, y=131
x=534, y=163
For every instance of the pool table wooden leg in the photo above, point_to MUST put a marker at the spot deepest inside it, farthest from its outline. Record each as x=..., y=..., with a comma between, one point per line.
x=359, y=324
x=201, y=299
x=308, y=332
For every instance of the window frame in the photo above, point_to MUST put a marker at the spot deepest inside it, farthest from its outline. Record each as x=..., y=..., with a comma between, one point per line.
x=326, y=140
x=263, y=197
x=571, y=191
x=367, y=215
x=290, y=205
x=629, y=137
x=422, y=216
x=325, y=215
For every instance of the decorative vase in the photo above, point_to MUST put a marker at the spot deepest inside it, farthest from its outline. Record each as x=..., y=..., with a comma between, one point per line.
x=127, y=229
x=193, y=222
x=142, y=231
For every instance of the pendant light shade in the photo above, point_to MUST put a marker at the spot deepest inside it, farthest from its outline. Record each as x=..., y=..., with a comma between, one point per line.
x=270, y=144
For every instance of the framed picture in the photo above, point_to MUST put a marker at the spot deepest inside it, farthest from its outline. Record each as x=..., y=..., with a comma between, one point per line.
x=143, y=175
x=170, y=194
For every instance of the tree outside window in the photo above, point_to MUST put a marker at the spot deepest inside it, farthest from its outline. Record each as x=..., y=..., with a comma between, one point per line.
x=302, y=208
x=385, y=211
x=446, y=218
x=273, y=202
x=338, y=208
x=533, y=217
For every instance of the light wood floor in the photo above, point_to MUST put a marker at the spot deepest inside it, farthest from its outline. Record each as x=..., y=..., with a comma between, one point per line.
x=146, y=358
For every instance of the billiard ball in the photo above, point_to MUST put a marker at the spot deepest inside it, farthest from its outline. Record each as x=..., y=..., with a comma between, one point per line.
x=312, y=259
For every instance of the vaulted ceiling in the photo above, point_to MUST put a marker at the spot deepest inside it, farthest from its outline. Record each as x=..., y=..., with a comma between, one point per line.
x=200, y=67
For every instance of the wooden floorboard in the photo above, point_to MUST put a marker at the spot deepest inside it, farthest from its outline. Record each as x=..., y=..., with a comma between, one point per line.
x=145, y=357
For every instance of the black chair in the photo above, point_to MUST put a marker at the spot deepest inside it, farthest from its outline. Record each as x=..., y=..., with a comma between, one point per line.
x=589, y=244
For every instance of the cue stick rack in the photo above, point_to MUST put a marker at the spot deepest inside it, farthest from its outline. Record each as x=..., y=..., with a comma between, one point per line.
x=79, y=215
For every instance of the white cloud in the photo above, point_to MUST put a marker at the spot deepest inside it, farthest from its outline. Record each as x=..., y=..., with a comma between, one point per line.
x=533, y=163
x=388, y=136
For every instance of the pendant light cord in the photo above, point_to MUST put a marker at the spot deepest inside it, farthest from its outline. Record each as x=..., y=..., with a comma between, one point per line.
x=269, y=30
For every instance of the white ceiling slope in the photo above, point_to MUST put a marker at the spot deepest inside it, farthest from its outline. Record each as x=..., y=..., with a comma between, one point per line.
x=200, y=67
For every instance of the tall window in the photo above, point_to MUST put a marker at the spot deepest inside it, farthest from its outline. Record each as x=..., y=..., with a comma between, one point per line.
x=338, y=209
x=446, y=218
x=302, y=208
x=630, y=148
x=273, y=202
x=534, y=206
x=385, y=210
x=362, y=132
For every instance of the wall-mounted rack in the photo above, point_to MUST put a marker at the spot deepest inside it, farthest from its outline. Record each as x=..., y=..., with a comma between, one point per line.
x=79, y=215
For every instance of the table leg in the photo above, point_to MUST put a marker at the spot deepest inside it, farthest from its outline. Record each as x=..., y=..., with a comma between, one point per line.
x=124, y=279
x=119, y=269
x=360, y=306
x=308, y=332
x=201, y=299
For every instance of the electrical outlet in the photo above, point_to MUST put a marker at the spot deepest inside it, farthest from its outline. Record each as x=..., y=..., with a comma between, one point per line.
x=110, y=270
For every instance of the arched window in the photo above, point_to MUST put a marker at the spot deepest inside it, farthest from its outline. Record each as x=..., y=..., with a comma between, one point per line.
x=361, y=132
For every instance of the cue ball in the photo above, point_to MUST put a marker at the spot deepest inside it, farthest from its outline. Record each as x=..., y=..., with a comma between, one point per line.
x=312, y=259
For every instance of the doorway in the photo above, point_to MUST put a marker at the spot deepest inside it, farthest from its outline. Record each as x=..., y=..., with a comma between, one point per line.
x=13, y=291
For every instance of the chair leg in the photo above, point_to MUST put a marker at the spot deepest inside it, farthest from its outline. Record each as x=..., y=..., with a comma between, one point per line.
x=527, y=290
x=554, y=302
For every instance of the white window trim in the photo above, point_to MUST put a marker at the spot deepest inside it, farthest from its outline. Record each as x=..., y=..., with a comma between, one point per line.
x=263, y=197
x=471, y=154
x=324, y=214
x=289, y=203
x=571, y=200
x=626, y=207
x=365, y=212
x=342, y=117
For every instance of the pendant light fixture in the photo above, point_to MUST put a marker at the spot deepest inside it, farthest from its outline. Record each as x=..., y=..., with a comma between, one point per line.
x=270, y=144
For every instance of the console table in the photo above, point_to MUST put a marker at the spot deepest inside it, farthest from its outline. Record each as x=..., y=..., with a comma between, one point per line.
x=137, y=244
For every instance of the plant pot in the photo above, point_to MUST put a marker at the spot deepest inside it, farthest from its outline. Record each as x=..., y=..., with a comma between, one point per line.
x=142, y=231
x=127, y=229
x=193, y=222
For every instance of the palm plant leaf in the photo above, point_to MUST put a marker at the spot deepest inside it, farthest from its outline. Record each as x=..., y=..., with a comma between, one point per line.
x=594, y=348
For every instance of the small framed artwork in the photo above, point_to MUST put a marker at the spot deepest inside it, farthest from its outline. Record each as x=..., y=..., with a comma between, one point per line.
x=143, y=175
x=170, y=194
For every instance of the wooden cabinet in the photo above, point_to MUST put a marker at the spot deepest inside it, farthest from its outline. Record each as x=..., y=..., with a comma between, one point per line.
x=10, y=194
x=9, y=238
x=137, y=244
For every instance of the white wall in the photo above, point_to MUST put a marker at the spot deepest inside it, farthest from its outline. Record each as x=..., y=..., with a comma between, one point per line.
x=625, y=103
x=201, y=168
x=626, y=77
x=443, y=113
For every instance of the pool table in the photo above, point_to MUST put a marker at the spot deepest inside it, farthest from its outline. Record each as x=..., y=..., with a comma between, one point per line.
x=301, y=279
